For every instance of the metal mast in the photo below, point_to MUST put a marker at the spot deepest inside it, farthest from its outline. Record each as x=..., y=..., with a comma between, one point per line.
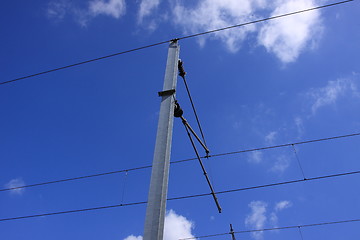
x=156, y=206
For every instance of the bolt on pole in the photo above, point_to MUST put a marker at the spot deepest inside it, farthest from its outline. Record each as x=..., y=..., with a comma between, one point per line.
x=156, y=206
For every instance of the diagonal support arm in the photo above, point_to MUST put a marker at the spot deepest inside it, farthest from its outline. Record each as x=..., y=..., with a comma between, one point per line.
x=201, y=164
x=185, y=122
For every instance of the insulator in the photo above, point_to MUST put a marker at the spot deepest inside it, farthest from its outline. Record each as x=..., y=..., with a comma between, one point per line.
x=178, y=112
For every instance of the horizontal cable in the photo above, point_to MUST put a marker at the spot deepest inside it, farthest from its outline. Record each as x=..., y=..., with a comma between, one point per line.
x=264, y=19
x=74, y=178
x=72, y=211
x=180, y=38
x=83, y=62
x=180, y=161
x=184, y=197
x=286, y=145
x=277, y=228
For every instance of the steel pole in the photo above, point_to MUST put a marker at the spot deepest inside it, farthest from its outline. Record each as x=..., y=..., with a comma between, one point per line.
x=156, y=206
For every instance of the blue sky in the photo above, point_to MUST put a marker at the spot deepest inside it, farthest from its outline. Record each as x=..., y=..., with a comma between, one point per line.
x=281, y=81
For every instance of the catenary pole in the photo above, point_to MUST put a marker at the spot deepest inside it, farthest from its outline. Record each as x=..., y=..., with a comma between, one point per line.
x=156, y=206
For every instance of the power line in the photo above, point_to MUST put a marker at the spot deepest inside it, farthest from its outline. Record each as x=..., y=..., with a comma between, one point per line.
x=270, y=185
x=180, y=38
x=184, y=197
x=285, y=145
x=75, y=178
x=264, y=19
x=279, y=228
x=181, y=161
x=83, y=62
x=72, y=211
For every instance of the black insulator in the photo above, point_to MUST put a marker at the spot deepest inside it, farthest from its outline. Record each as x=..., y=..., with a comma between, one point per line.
x=182, y=72
x=178, y=112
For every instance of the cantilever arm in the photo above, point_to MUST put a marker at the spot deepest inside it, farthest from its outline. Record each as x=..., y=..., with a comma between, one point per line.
x=187, y=125
x=202, y=167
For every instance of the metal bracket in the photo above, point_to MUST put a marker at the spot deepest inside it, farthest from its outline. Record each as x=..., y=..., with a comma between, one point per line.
x=166, y=93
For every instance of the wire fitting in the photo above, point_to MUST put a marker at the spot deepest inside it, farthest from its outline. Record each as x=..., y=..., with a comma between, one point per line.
x=166, y=92
x=182, y=72
x=178, y=112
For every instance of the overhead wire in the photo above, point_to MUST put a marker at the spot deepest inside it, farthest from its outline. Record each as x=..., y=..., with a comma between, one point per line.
x=71, y=211
x=166, y=41
x=74, y=178
x=83, y=62
x=285, y=145
x=270, y=185
x=278, y=228
x=181, y=161
x=124, y=186
x=184, y=197
x=298, y=161
x=264, y=19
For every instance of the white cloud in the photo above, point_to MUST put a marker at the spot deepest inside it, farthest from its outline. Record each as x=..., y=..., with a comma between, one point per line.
x=14, y=183
x=329, y=94
x=176, y=227
x=270, y=138
x=146, y=8
x=255, y=157
x=281, y=164
x=287, y=38
x=299, y=123
x=257, y=218
x=113, y=8
x=282, y=205
x=132, y=237
x=213, y=14
x=279, y=206
x=58, y=9
x=274, y=219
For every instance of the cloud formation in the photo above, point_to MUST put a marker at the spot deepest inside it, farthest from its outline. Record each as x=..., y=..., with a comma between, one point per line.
x=58, y=9
x=255, y=157
x=270, y=137
x=113, y=8
x=213, y=14
x=176, y=227
x=281, y=164
x=14, y=183
x=287, y=38
x=257, y=218
x=279, y=206
x=132, y=237
x=146, y=8
x=282, y=205
x=329, y=94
